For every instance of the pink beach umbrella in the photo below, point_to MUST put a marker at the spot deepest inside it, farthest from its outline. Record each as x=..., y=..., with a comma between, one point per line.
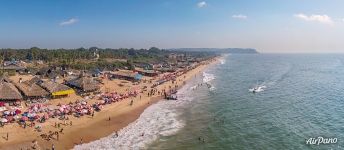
x=24, y=118
x=61, y=109
x=46, y=116
x=9, y=118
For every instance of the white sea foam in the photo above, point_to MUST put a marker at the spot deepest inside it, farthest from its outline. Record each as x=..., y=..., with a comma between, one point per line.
x=212, y=88
x=160, y=119
x=193, y=87
x=222, y=61
x=207, y=77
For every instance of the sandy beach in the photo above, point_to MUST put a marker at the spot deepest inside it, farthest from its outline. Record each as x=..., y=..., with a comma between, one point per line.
x=88, y=128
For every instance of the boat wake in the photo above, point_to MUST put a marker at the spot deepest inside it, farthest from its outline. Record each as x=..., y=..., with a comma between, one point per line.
x=257, y=89
x=160, y=119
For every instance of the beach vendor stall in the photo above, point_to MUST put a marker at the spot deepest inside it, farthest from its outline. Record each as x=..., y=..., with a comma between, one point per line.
x=127, y=75
x=8, y=92
x=31, y=89
x=56, y=89
x=84, y=83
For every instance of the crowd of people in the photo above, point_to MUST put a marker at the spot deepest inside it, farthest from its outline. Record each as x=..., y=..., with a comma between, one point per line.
x=40, y=112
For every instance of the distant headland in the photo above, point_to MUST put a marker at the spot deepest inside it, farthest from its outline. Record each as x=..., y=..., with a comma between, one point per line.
x=222, y=50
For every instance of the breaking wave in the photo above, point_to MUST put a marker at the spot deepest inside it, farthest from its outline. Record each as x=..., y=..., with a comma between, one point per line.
x=207, y=77
x=222, y=61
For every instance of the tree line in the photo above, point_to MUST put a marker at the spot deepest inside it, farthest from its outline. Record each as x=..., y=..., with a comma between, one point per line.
x=74, y=57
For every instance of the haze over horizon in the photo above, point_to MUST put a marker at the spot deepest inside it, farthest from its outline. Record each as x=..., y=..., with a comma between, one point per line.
x=308, y=26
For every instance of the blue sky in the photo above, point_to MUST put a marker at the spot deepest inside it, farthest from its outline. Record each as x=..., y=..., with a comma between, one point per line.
x=268, y=25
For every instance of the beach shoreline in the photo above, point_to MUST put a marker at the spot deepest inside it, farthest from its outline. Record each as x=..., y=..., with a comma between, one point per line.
x=112, y=118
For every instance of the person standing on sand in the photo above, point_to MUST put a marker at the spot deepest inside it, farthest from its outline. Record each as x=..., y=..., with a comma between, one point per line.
x=7, y=136
x=53, y=147
x=81, y=141
x=34, y=144
x=109, y=119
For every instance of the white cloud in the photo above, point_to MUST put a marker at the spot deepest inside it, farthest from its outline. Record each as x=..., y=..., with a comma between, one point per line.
x=201, y=4
x=318, y=18
x=69, y=22
x=239, y=16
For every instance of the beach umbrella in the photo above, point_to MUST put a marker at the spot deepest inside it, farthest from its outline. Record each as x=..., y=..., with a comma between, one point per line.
x=84, y=111
x=9, y=118
x=25, y=114
x=18, y=111
x=3, y=120
x=61, y=109
x=30, y=115
x=24, y=118
x=51, y=113
x=2, y=104
x=7, y=112
x=16, y=117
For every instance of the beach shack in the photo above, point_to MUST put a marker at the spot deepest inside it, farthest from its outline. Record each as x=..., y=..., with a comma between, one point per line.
x=8, y=92
x=56, y=89
x=50, y=72
x=127, y=75
x=84, y=83
x=149, y=73
x=12, y=68
x=30, y=89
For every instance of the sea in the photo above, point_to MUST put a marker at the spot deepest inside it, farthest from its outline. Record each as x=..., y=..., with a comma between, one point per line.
x=301, y=98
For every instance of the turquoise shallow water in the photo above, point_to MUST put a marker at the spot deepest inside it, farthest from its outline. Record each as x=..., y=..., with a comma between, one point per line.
x=304, y=98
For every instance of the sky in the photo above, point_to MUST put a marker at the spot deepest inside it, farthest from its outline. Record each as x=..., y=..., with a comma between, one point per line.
x=272, y=26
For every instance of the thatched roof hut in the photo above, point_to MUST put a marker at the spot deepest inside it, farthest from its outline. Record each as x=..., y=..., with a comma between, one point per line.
x=30, y=88
x=13, y=67
x=56, y=89
x=8, y=91
x=5, y=78
x=87, y=84
x=127, y=75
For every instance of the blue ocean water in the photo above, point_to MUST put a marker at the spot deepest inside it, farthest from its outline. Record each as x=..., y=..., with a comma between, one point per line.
x=303, y=98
